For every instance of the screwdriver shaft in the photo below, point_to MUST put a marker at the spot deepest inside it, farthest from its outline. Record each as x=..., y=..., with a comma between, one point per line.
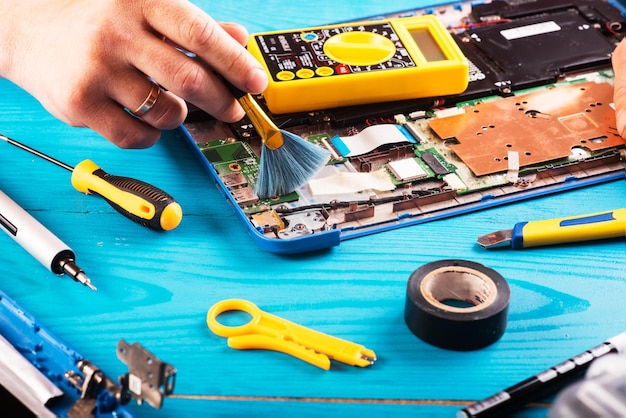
x=37, y=153
x=71, y=269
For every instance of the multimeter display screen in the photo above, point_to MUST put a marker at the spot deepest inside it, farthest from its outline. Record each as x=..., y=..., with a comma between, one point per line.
x=427, y=44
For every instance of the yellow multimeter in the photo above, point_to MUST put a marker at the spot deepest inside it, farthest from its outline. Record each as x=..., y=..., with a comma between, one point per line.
x=357, y=63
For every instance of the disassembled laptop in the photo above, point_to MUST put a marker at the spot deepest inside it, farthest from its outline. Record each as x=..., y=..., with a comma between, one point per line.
x=536, y=118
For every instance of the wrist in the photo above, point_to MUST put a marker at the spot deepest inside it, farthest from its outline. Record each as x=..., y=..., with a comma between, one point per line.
x=9, y=34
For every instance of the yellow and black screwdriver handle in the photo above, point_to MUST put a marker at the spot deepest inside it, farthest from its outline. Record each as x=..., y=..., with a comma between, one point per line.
x=141, y=202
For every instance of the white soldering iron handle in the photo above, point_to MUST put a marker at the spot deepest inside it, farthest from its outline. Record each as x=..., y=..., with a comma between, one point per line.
x=32, y=235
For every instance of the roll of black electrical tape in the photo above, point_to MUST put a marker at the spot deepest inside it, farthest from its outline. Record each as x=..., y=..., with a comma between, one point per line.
x=434, y=293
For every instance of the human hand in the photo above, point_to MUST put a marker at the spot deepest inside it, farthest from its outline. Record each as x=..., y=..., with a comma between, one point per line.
x=619, y=83
x=87, y=61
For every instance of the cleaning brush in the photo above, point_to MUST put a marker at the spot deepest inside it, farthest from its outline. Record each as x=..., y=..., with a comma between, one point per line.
x=287, y=160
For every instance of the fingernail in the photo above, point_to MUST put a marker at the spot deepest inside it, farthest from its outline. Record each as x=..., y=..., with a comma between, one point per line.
x=257, y=82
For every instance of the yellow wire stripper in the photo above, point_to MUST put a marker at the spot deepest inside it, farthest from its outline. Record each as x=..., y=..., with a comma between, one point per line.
x=270, y=332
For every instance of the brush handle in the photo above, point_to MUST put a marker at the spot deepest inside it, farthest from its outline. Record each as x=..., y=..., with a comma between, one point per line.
x=267, y=130
x=234, y=90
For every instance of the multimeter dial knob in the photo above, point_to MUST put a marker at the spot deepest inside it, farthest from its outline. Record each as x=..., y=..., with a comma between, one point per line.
x=359, y=48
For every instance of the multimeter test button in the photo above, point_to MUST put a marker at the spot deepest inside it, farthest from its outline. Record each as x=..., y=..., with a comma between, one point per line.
x=342, y=69
x=285, y=76
x=324, y=71
x=305, y=73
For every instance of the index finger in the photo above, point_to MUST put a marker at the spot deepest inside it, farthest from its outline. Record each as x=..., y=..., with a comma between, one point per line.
x=193, y=30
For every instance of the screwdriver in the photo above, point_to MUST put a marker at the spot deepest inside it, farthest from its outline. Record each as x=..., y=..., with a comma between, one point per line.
x=593, y=226
x=39, y=241
x=139, y=201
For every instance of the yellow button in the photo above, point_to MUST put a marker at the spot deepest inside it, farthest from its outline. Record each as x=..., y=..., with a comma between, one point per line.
x=359, y=48
x=285, y=75
x=305, y=73
x=324, y=71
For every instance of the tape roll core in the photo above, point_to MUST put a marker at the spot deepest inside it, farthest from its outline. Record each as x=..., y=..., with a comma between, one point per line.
x=434, y=292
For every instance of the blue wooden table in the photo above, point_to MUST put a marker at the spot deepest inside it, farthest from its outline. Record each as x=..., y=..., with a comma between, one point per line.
x=156, y=288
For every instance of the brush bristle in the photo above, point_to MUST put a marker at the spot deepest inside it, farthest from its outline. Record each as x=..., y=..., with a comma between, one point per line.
x=283, y=170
